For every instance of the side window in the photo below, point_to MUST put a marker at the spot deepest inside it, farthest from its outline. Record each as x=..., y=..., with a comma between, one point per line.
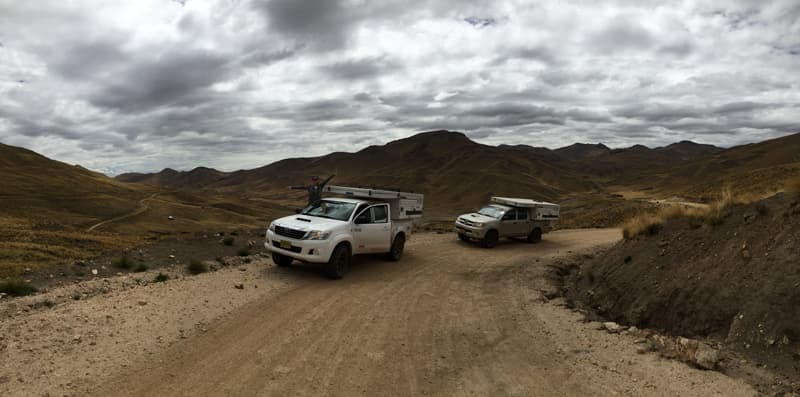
x=363, y=217
x=510, y=215
x=380, y=214
x=522, y=214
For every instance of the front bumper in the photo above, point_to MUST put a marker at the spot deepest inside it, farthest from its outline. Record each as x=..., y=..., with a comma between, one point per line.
x=314, y=251
x=469, y=231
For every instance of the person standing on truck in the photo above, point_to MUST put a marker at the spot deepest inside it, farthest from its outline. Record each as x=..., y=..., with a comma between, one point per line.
x=314, y=190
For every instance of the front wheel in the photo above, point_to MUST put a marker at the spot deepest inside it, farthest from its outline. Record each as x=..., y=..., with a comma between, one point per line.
x=281, y=260
x=463, y=237
x=396, y=252
x=535, y=236
x=339, y=262
x=490, y=239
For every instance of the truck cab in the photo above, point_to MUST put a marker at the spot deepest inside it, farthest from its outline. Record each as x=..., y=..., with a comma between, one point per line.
x=507, y=217
x=335, y=229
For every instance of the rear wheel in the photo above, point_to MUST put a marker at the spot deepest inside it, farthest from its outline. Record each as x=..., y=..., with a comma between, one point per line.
x=535, y=236
x=490, y=239
x=339, y=263
x=281, y=260
x=463, y=237
x=396, y=252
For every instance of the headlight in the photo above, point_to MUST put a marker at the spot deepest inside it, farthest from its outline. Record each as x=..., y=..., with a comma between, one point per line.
x=477, y=224
x=272, y=227
x=317, y=235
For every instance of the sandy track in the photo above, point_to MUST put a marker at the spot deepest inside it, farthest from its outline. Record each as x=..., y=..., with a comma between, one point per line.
x=449, y=319
x=143, y=206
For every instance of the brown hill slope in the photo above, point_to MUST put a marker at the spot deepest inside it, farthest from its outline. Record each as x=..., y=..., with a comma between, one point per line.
x=46, y=208
x=39, y=188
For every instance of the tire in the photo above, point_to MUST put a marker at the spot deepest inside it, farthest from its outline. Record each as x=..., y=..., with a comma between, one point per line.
x=282, y=260
x=339, y=262
x=490, y=239
x=535, y=236
x=396, y=252
x=463, y=237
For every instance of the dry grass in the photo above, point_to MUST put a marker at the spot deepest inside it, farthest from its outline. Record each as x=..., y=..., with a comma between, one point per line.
x=23, y=245
x=650, y=223
x=793, y=185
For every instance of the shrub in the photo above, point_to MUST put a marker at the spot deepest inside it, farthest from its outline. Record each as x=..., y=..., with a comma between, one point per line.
x=234, y=233
x=228, y=240
x=125, y=263
x=628, y=259
x=161, y=277
x=16, y=287
x=196, y=267
x=244, y=251
x=652, y=223
x=141, y=267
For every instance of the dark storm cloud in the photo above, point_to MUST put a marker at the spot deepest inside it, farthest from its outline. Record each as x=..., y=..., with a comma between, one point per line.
x=323, y=24
x=657, y=112
x=161, y=81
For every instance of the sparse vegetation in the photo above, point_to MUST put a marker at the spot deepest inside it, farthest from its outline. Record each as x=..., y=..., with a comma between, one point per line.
x=244, y=251
x=628, y=259
x=228, y=240
x=793, y=185
x=15, y=287
x=161, y=277
x=124, y=262
x=196, y=267
x=140, y=267
x=714, y=214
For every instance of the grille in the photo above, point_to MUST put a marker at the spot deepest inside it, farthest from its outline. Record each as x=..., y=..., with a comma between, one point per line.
x=466, y=222
x=291, y=233
x=293, y=249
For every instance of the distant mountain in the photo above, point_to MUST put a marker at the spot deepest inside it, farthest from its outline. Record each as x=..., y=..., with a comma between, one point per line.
x=582, y=151
x=197, y=178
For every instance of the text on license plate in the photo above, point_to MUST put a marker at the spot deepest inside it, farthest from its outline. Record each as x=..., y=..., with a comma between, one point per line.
x=286, y=244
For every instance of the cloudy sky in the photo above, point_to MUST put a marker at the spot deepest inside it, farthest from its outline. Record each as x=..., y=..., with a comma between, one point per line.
x=141, y=85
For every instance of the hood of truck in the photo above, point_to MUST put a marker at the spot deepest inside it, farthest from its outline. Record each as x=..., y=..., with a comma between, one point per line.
x=476, y=217
x=307, y=223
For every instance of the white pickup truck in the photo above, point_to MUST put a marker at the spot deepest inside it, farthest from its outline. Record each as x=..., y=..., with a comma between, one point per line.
x=507, y=217
x=362, y=221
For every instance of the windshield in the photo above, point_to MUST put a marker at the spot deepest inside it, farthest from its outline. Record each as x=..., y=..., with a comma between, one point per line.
x=492, y=211
x=331, y=210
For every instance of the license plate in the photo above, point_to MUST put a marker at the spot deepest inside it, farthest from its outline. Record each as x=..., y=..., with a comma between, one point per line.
x=286, y=244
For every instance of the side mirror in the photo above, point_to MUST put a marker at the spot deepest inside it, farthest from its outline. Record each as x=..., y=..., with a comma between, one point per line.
x=298, y=210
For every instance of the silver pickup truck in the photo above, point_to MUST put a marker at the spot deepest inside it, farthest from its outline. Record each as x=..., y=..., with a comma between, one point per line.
x=507, y=217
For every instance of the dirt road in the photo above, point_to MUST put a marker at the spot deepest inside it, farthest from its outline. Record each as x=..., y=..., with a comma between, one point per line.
x=143, y=206
x=449, y=319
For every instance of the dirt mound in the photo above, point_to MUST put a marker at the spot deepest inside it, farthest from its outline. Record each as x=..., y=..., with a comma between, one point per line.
x=737, y=282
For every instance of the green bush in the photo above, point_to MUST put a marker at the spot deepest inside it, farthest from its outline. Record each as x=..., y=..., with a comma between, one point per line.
x=228, y=240
x=16, y=287
x=244, y=251
x=141, y=267
x=196, y=267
